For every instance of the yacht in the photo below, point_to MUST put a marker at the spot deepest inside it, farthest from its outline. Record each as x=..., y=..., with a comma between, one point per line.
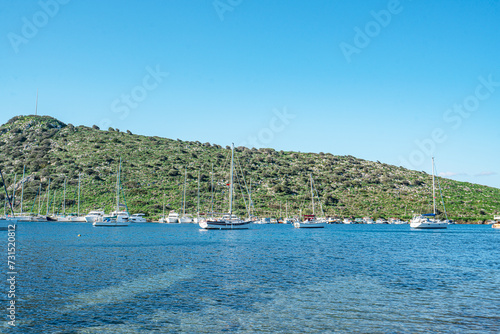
x=310, y=221
x=368, y=220
x=186, y=219
x=138, y=218
x=381, y=221
x=113, y=221
x=173, y=217
x=347, y=221
x=94, y=216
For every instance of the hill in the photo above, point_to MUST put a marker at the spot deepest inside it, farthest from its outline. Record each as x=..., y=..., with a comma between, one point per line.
x=154, y=166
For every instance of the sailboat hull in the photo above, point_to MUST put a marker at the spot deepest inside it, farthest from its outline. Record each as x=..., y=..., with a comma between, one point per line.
x=224, y=225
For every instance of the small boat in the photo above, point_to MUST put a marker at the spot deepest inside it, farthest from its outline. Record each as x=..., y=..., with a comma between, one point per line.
x=381, y=221
x=138, y=218
x=94, y=216
x=186, y=219
x=368, y=220
x=497, y=222
x=347, y=221
x=310, y=221
x=72, y=218
x=173, y=217
x=116, y=221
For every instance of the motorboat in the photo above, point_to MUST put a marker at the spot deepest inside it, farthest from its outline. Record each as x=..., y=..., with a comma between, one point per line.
x=138, y=218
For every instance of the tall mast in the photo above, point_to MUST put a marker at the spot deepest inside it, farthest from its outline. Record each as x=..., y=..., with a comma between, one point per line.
x=184, y=193
x=212, y=190
x=64, y=197
x=48, y=197
x=250, y=199
x=22, y=189
x=79, y=194
x=163, y=206
x=39, y=197
x=54, y=203
x=198, y=205
x=14, y=193
x=231, y=184
x=312, y=194
x=118, y=187
x=433, y=188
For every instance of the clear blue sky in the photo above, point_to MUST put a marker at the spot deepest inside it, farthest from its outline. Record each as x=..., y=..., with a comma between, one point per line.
x=364, y=78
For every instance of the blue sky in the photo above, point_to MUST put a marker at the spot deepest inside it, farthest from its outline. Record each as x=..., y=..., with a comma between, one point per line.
x=393, y=81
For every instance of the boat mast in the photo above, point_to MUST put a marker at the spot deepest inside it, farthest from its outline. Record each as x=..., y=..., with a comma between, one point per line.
x=198, y=205
x=250, y=200
x=118, y=187
x=39, y=197
x=231, y=184
x=22, y=189
x=64, y=197
x=48, y=198
x=212, y=190
x=79, y=194
x=433, y=188
x=312, y=193
x=163, y=206
x=184, y=193
x=14, y=193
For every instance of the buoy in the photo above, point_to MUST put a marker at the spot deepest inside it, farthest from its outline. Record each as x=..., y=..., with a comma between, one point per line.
x=79, y=235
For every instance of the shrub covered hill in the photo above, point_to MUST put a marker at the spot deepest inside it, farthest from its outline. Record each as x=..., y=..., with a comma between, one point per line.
x=153, y=171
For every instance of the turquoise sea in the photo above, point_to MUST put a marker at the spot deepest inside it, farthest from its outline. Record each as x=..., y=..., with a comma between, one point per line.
x=160, y=278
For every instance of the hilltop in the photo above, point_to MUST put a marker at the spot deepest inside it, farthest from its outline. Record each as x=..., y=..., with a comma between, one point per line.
x=154, y=166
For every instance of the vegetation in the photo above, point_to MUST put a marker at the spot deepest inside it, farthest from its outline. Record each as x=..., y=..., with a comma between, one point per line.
x=154, y=168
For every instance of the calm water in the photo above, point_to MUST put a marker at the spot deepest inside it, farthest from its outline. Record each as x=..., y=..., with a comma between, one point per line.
x=158, y=278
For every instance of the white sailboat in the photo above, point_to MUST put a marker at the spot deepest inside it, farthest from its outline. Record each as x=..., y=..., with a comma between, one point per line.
x=429, y=221
x=118, y=218
x=228, y=221
x=310, y=221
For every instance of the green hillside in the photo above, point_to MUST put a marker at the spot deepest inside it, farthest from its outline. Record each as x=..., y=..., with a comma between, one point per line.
x=154, y=166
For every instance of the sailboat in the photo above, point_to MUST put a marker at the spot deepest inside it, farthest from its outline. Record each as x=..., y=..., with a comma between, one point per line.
x=118, y=218
x=229, y=221
x=429, y=220
x=310, y=221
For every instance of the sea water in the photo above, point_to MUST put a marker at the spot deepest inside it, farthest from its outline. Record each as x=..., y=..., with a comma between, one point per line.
x=171, y=278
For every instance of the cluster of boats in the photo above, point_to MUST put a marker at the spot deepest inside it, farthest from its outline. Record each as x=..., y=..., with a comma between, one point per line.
x=225, y=221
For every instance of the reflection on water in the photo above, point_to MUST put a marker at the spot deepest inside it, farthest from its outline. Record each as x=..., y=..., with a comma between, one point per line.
x=176, y=278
